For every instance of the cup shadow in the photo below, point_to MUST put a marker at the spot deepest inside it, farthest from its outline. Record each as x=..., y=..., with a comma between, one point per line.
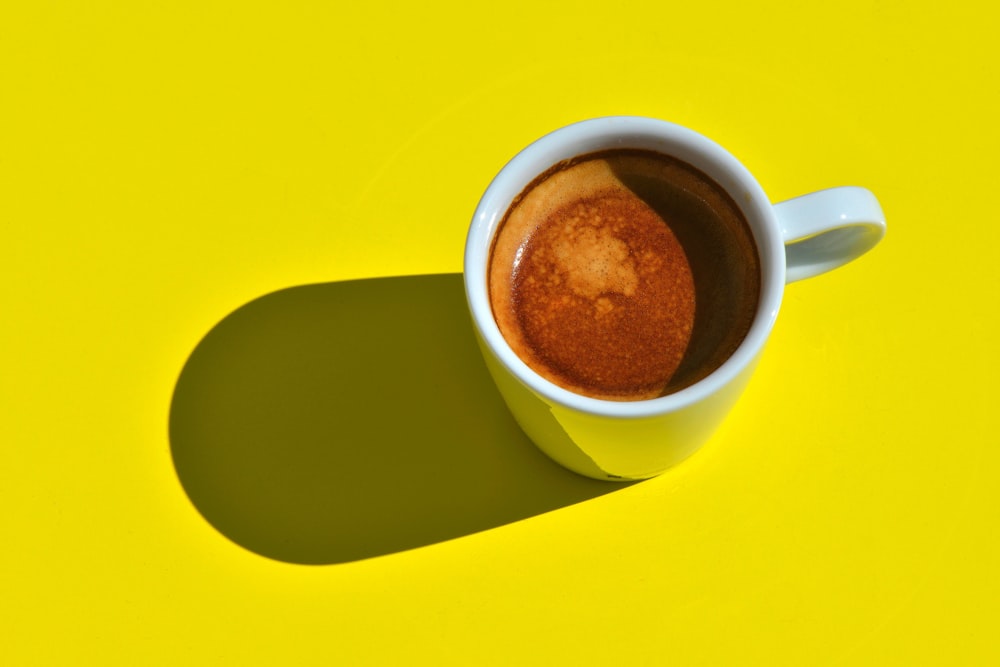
x=335, y=422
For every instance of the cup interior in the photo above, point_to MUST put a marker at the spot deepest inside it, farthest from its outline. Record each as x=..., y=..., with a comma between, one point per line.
x=627, y=133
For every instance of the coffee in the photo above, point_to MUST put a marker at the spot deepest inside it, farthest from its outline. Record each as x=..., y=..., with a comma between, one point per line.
x=624, y=275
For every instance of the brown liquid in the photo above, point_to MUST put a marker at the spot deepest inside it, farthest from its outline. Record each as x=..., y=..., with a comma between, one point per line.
x=624, y=275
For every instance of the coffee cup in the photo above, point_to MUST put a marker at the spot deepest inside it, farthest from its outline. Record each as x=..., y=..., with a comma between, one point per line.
x=623, y=276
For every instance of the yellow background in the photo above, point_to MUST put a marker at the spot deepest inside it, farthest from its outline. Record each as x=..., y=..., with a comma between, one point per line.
x=164, y=164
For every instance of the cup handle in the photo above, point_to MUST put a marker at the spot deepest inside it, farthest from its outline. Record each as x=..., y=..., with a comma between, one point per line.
x=827, y=229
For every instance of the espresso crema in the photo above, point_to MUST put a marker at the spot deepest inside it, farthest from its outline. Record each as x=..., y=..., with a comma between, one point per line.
x=623, y=275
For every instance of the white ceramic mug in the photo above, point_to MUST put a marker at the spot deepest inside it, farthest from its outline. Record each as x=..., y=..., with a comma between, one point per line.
x=613, y=440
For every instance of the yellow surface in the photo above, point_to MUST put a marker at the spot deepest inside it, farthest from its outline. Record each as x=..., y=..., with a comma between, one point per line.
x=166, y=470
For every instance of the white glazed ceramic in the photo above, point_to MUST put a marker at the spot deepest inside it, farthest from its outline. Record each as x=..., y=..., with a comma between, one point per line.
x=614, y=440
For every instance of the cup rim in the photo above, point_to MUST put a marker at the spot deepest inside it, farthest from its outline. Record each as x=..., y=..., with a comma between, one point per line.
x=625, y=132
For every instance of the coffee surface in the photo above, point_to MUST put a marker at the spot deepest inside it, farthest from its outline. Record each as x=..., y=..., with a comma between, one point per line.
x=623, y=275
